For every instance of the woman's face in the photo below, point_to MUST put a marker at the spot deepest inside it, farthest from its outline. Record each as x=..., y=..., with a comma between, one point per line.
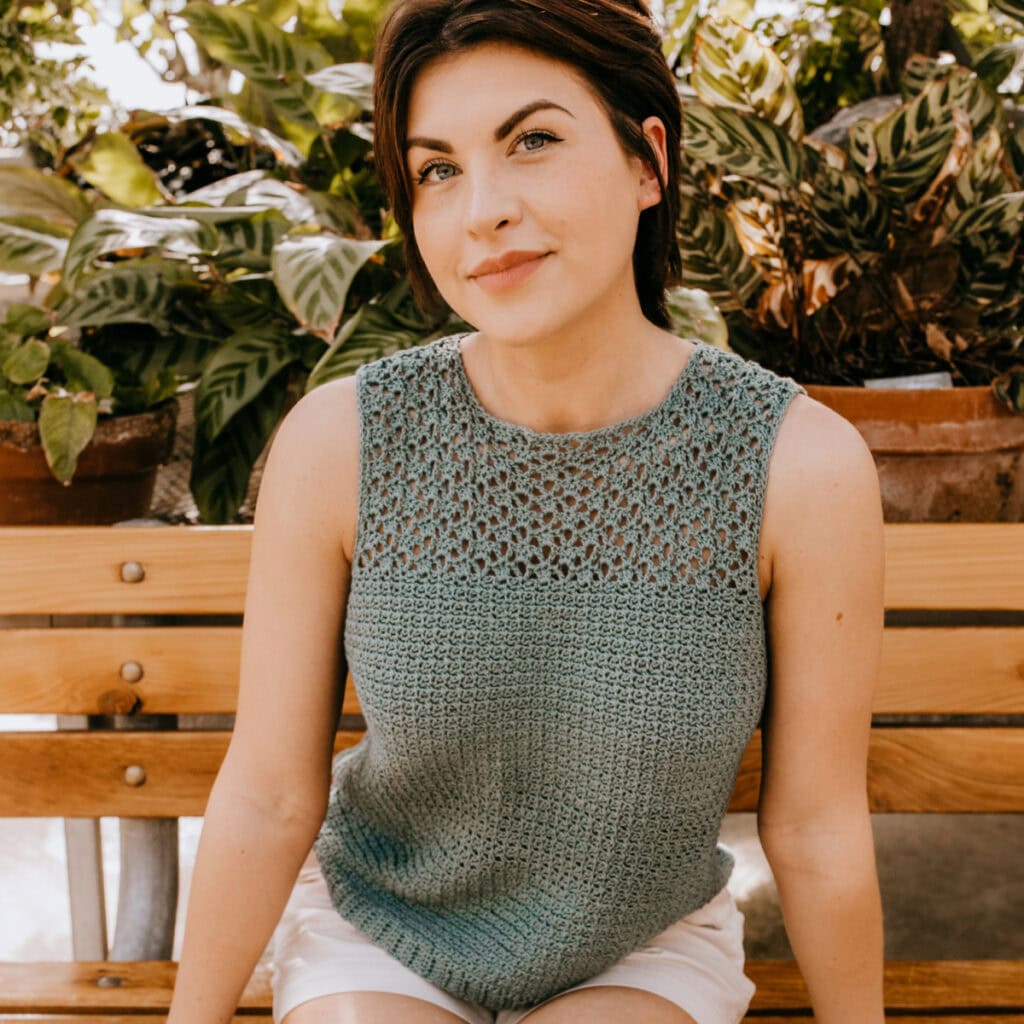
x=510, y=152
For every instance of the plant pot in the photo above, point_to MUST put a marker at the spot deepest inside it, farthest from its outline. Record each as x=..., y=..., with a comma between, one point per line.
x=113, y=481
x=943, y=454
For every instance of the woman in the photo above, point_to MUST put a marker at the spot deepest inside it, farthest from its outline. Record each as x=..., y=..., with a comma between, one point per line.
x=559, y=568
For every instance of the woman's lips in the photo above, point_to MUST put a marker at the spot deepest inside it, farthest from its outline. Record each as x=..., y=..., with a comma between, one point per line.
x=502, y=280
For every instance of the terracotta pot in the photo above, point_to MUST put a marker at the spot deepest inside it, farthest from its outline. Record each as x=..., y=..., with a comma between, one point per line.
x=113, y=481
x=943, y=454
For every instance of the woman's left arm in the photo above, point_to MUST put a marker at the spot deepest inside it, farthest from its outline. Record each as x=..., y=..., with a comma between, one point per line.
x=824, y=620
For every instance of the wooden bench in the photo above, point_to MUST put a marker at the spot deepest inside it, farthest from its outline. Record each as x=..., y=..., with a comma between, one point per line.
x=970, y=762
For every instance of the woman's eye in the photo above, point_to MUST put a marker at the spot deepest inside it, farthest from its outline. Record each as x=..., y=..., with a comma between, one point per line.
x=421, y=178
x=538, y=136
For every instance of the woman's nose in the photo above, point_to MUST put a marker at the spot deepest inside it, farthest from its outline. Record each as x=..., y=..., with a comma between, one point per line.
x=491, y=204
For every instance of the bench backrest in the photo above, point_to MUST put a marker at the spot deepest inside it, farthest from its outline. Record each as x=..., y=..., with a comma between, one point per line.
x=946, y=738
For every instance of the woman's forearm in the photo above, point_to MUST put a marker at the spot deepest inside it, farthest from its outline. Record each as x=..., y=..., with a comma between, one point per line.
x=828, y=891
x=248, y=859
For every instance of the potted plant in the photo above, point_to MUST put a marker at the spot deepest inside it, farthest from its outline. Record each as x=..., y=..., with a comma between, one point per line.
x=897, y=255
x=215, y=285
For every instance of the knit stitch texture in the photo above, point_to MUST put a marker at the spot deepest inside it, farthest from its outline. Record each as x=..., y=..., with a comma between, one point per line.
x=559, y=649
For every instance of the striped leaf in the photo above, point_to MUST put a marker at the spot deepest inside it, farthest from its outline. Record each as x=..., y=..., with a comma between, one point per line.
x=680, y=19
x=229, y=191
x=221, y=468
x=740, y=144
x=28, y=192
x=863, y=150
x=237, y=372
x=1014, y=8
x=313, y=273
x=135, y=291
x=274, y=61
x=981, y=179
x=731, y=68
x=1003, y=214
x=29, y=245
x=919, y=72
x=714, y=260
x=847, y=214
x=239, y=129
x=913, y=140
x=125, y=232
x=248, y=241
x=353, y=82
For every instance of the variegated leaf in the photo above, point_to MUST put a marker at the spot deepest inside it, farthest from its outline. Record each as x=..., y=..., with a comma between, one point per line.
x=776, y=307
x=714, y=260
x=1003, y=214
x=353, y=82
x=221, y=468
x=680, y=18
x=731, y=68
x=847, y=214
x=249, y=241
x=824, y=279
x=30, y=192
x=912, y=142
x=284, y=152
x=276, y=62
x=134, y=291
x=1014, y=8
x=124, y=232
x=741, y=144
x=929, y=206
x=919, y=72
x=863, y=150
x=236, y=373
x=981, y=179
x=30, y=246
x=313, y=273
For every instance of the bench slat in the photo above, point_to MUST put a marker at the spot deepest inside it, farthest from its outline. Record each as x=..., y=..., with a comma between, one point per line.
x=81, y=774
x=197, y=569
x=193, y=670
x=909, y=985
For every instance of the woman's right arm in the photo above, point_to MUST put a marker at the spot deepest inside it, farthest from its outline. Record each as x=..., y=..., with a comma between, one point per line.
x=271, y=793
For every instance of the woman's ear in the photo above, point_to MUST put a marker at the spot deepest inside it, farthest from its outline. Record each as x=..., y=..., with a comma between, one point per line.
x=650, y=190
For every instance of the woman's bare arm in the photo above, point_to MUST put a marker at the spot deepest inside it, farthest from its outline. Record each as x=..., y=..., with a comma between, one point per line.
x=825, y=618
x=271, y=793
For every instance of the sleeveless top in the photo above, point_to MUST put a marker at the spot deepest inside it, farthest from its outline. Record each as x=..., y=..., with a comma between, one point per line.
x=558, y=644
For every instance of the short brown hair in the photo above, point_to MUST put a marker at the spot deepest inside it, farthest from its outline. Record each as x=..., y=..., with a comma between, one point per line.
x=612, y=43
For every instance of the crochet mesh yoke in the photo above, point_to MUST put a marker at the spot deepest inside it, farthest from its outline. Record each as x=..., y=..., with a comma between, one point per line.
x=558, y=646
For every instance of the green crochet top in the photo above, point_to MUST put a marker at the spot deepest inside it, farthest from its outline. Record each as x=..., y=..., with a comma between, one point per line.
x=558, y=646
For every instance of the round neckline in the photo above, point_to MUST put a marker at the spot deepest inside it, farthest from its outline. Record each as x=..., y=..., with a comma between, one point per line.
x=542, y=437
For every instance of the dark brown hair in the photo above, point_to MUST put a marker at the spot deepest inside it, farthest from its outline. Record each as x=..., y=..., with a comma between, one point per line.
x=612, y=43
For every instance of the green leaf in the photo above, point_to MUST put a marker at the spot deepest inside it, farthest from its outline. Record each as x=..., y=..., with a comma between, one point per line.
x=27, y=363
x=82, y=371
x=26, y=191
x=313, y=273
x=694, y=315
x=14, y=407
x=110, y=232
x=29, y=246
x=353, y=82
x=25, y=320
x=731, y=68
x=714, y=260
x=249, y=241
x=680, y=22
x=847, y=214
x=237, y=372
x=1014, y=8
x=275, y=61
x=66, y=425
x=741, y=144
x=135, y=291
x=221, y=468
x=238, y=129
x=113, y=165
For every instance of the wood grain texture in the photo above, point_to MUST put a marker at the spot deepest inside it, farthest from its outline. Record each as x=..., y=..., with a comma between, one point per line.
x=204, y=569
x=82, y=774
x=147, y=985
x=194, y=670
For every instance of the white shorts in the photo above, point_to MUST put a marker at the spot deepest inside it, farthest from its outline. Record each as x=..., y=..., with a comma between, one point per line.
x=696, y=963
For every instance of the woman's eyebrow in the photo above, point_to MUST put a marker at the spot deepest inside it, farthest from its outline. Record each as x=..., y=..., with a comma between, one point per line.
x=500, y=132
